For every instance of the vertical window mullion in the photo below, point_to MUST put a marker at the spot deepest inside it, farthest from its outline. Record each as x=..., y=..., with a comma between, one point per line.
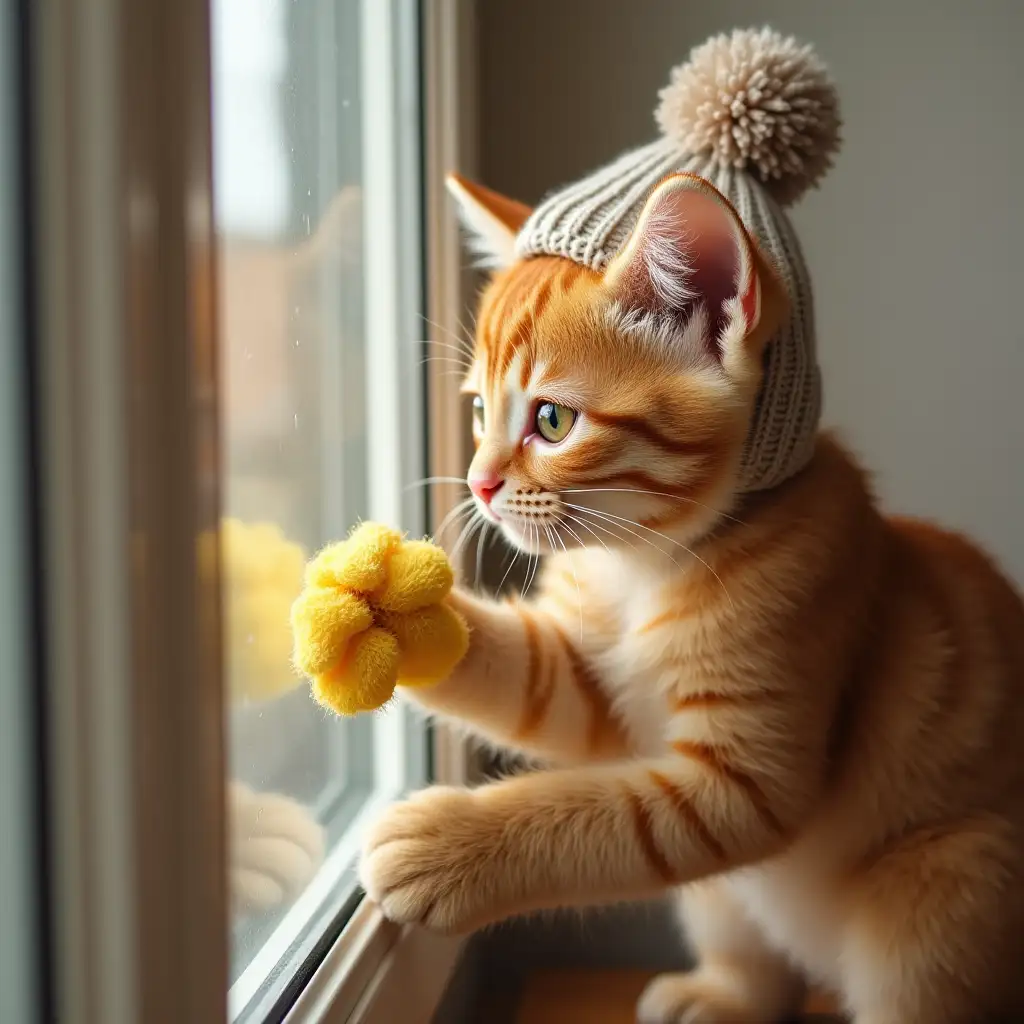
x=393, y=305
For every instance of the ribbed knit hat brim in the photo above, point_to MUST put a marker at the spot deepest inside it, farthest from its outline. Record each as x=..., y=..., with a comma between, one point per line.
x=590, y=220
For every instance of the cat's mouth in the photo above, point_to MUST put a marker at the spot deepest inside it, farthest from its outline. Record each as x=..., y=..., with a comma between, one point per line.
x=541, y=522
x=489, y=514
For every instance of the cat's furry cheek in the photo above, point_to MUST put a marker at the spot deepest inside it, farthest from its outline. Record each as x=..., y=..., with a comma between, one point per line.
x=435, y=860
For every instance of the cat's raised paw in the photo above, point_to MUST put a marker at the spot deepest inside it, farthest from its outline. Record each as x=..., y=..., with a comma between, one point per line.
x=433, y=860
x=694, y=998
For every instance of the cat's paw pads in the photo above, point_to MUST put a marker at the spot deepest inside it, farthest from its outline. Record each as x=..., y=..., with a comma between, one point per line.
x=372, y=615
x=427, y=860
x=276, y=847
x=693, y=999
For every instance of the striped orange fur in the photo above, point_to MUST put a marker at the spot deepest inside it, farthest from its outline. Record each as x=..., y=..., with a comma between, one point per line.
x=801, y=718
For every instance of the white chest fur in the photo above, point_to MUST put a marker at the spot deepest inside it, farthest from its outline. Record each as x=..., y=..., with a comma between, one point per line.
x=634, y=671
x=796, y=905
x=793, y=898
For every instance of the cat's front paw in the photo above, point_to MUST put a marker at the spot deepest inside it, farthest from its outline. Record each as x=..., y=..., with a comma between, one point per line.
x=434, y=860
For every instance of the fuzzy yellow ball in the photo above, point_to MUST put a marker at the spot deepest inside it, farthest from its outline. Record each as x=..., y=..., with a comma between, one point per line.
x=373, y=616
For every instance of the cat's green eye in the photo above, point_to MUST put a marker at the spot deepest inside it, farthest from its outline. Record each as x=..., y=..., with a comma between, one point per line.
x=554, y=421
x=478, y=414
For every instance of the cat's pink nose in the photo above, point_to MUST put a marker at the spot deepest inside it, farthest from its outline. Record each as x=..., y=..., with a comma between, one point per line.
x=486, y=487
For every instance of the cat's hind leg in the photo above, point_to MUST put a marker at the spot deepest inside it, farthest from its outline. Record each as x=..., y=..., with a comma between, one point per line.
x=936, y=929
x=739, y=978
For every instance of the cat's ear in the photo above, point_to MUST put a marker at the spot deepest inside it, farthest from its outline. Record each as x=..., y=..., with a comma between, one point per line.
x=691, y=274
x=491, y=220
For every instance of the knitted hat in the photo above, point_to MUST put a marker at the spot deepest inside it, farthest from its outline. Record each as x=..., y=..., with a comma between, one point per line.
x=755, y=114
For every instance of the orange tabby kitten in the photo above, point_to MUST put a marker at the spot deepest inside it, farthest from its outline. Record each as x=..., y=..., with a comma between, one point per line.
x=802, y=718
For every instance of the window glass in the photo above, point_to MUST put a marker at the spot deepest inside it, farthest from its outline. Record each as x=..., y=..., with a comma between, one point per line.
x=291, y=143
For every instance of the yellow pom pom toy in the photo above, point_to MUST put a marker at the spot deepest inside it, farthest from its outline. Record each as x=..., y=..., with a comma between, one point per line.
x=372, y=616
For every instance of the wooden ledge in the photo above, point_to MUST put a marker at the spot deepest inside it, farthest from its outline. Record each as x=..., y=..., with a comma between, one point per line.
x=606, y=997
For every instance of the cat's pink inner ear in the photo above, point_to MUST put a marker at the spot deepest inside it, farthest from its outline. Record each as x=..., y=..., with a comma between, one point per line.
x=689, y=256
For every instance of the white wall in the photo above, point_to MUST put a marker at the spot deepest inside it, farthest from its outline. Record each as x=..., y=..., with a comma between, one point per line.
x=918, y=282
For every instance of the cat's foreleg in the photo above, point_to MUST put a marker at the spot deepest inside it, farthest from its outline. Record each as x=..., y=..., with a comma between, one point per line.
x=525, y=684
x=454, y=859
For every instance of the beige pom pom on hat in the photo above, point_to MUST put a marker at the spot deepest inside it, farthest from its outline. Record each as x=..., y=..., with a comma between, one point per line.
x=756, y=114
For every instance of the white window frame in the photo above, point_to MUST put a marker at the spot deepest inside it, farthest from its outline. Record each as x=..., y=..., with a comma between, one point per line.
x=378, y=972
x=125, y=293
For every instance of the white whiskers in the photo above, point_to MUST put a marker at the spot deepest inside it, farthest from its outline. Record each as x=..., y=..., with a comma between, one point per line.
x=466, y=536
x=531, y=570
x=657, y=494
x=428, y=480
x=516, y=551
x=576, y=537
x=463, y=508
x=572, y=566
x=607, y=516
x=481, y=545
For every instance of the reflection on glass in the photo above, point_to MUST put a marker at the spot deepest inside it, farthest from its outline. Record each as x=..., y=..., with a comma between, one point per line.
x=288, y=192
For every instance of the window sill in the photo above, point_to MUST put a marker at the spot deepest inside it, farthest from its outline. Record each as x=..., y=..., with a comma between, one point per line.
x=288, y=942
x=377, y=973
